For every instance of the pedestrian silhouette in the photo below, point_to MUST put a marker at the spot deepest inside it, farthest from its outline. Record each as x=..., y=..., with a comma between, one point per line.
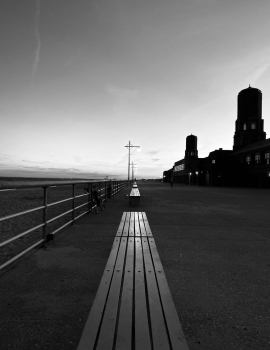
x=96, y=199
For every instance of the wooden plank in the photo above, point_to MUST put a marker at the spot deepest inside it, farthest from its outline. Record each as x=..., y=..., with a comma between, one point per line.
x=121, y=226
x=176, y=334
x=144, y=216
x=158, y=326
x=124, y=332
x=146, y=224
x=142, y=227
x=142, y=331
x=131, y=225
x=123, y=217
x=126, y=226
x=90, y=331
x=107, y=330
x=134, y=192
x=137, y=232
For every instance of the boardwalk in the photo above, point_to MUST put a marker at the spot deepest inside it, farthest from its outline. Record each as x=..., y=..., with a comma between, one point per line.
x=214, y=245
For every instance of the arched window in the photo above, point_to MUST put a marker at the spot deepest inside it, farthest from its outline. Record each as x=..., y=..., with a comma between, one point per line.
x=253, y=125
x=244, y=126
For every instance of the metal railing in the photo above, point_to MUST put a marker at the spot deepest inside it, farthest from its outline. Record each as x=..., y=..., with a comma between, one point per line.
x=106, y=190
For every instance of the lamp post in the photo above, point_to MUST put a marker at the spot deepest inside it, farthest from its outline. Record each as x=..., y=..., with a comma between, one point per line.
x=129, y=146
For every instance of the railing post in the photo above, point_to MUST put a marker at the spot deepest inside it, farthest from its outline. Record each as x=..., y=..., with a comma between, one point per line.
x=73, y=203
x=100, y=192
x=105, y=191
x=89, y=198
x=45, y=203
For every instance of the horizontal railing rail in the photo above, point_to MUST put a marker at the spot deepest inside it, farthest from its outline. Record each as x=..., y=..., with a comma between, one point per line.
x=29, y=184
x=106, y=189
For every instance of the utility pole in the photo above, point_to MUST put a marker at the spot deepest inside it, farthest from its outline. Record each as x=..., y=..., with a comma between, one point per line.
x=129, y=146
x=132, y=165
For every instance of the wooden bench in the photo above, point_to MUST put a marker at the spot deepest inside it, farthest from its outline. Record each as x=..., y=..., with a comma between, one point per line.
x=134, y=197
x=133, y=307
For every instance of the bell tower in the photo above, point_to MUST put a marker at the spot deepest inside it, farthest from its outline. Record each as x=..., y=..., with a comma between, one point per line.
x=249, y=124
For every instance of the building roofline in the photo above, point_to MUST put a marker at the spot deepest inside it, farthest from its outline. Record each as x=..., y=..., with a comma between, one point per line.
x=253, y=147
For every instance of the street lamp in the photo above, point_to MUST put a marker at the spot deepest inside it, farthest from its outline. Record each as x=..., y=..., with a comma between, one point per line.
x=129, y=146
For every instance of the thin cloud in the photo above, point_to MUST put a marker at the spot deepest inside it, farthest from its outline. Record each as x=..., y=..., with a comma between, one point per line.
x=123, y=98
x=122, y=93
x=73, y=58
x=78, y=158
x=152, y=152
x=31, y=161
x=258, y=73
x=4, y=156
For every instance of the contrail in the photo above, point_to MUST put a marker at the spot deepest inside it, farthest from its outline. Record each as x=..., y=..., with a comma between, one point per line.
x=37, y=34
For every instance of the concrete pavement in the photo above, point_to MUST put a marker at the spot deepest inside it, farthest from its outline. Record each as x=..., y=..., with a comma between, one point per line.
x=214, y=245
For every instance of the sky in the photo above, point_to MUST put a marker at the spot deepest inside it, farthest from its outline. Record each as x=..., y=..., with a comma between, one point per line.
x=79, y=79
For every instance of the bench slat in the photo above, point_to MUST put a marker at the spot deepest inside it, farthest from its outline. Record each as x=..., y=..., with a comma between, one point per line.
x=144, y=216
x=90, y=331
x=124, y=332
x=137, y=226
x=126, y=226
x=135, y=192
x=121, y=226
x=147, y=227
x=142, y=227
x=131, y=226
x=159, y=332
x=177, y=337
x=107, y=330
x=142, y=333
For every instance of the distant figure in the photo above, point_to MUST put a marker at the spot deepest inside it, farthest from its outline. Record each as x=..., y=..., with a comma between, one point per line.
x=171, y=182
x=96, y=199
x=109, y=190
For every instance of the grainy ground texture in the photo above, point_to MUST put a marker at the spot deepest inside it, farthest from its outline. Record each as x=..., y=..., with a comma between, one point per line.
x=214, y=244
